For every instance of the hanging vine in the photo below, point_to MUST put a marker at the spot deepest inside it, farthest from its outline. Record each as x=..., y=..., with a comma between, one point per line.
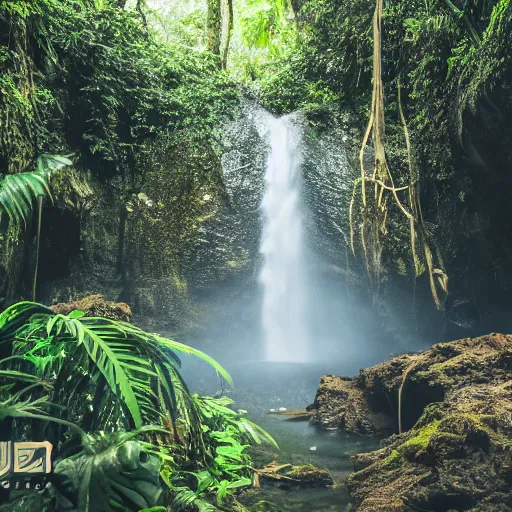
x=374, y=209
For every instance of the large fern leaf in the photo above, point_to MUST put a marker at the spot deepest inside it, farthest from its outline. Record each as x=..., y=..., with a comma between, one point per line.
x=135, y=364
x=180, y=347
x=18, y=192
x=112, y=353
x=17, y=316
x=140, y=369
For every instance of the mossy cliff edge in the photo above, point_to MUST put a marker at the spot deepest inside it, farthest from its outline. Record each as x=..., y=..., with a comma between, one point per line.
x=453, y=404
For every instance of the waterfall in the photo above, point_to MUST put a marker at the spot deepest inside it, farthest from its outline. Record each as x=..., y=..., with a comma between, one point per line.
x=283, y=277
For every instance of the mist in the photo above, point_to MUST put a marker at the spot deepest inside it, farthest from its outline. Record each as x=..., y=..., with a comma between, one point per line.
x=302, y=297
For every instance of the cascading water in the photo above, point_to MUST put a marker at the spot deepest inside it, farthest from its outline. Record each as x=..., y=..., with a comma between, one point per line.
x=283, y=275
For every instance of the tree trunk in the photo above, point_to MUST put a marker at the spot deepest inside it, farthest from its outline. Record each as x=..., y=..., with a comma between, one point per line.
x=140, y=10
x=227, y=27
x=213, y=26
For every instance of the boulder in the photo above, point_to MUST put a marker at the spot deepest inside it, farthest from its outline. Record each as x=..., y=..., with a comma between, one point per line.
x=341, y=405
x=96, y=305
x=289, y=476
x=453, y=405
x=458, y=456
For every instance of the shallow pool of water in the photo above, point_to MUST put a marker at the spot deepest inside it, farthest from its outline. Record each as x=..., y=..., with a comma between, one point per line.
x=331, y=451
x=263, y=386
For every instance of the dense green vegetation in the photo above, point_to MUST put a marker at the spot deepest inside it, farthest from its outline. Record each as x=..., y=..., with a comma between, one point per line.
x=446, y=71
x=90, y=79
x=136, y=95
x=87, y=79
x=106, y=382
x=105, y=79
x=109, y=80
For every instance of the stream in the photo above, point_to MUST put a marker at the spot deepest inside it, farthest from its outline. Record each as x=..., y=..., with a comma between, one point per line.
x=260, y=386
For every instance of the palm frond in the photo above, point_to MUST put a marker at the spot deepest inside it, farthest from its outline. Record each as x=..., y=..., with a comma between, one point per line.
x=256, y=434
x=17, y=316
x=114, y=358
x=18, y=192
x=139, y=367
x=35, y=409
x=18, y=376
x=180, y=347
x=135, y=371
x=14, y=407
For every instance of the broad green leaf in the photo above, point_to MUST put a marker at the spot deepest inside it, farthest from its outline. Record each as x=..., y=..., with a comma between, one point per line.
x=76, y=314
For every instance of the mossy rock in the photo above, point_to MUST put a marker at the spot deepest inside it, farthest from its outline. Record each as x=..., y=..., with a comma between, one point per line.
x=382, y=505
x=341, y=404
x=289, y=476
x=311, y=476
x=96, y=305
x=458, y=454
x=456, y=405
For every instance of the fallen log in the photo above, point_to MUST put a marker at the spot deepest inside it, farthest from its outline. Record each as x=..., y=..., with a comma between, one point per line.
x=287, y=475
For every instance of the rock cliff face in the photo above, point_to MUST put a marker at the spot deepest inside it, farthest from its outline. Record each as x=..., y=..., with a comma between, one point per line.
x=182, y=247
x=190, y=224
x=180, y=241
x=454, y=404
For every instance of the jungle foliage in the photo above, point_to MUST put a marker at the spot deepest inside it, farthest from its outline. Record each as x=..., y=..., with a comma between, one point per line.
x=91, y=384
x=127, y=95
x=87, y=76
x=131, y=377
x=93, y=79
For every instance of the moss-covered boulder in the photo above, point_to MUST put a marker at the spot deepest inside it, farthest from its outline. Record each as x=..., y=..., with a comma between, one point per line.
x=341, y=405
x=458, y=456
x=370, y=403
x=454, y=406
x=96, y=305
x=289, y=476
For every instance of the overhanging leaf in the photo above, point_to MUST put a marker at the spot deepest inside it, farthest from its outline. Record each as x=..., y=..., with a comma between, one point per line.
x=18, y=192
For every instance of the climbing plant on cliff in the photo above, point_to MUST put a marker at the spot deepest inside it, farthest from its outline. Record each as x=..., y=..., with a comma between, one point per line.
x=96, y=64
x=476, y=24
x=374, y=210
x=447, y=98
x=19, y=192
x=90, y=78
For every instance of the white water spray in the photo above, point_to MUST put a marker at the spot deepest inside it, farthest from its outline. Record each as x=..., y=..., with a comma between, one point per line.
x=283, y=273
